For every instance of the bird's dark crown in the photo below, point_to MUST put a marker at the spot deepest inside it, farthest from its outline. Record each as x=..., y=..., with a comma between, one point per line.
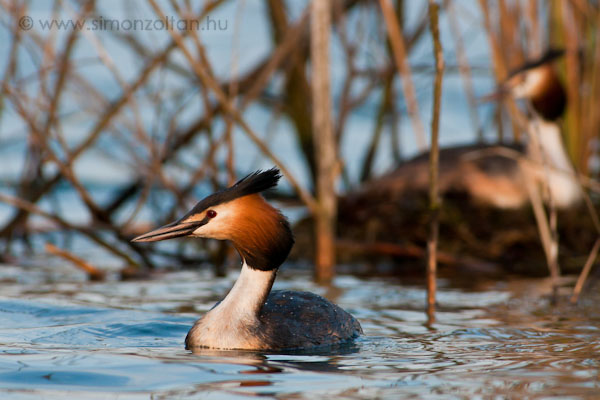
x=549, y=56
x=256, y=182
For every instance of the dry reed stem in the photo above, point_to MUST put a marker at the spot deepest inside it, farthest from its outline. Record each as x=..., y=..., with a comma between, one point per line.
x=547, y=224
x=13, y=59
x=233, y=92
x=593, y=253
x=535, y=38
x=63, y=69
x=573, y=87
x=93, y=273
x=591, y=83
x=546, y=232
x=349, y=49
x=464, y=69
x=324, y=141
x=384, y=108
x=434, y=196
x=401, y=58
x=585, y=271
x=499, y=64
x=289, y=42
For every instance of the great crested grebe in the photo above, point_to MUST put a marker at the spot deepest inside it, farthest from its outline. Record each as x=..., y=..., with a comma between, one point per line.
x=484, y=173
x=251, y=316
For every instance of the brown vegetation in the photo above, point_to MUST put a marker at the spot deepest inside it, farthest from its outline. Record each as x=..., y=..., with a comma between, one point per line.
x=167, y=138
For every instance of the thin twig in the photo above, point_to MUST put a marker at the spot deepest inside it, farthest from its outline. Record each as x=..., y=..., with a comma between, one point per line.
x=585, y=271
x=464, y=69
x=547, y=225
x=93, y=273
x=434, y=199
x=399, y=49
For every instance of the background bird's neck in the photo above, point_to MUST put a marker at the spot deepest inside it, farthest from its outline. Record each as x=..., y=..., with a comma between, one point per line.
x=546, y=148
x=546, y=136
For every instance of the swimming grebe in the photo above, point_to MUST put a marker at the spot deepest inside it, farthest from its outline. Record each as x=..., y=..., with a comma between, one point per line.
x=484, y=172
x=251, y=316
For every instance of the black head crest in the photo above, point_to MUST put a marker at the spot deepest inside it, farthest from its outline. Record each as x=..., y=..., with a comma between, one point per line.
x=550, y=55
x=256, y=182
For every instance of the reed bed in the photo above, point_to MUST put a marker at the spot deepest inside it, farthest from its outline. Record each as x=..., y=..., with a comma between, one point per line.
x=174, y=122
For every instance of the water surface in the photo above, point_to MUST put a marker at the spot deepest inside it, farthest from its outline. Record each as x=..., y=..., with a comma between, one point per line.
x=125, y=340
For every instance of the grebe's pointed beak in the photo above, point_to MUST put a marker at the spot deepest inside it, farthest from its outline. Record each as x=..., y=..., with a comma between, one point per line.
x=170, y=231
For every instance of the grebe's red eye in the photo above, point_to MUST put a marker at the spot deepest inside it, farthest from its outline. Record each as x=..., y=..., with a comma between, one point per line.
x=211, y=213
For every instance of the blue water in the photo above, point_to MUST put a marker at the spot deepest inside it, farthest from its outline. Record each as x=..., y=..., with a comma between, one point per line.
x=125, y=340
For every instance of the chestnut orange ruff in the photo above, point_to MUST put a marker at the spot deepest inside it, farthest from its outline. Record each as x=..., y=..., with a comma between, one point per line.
x=550, y=100
x=259, y=232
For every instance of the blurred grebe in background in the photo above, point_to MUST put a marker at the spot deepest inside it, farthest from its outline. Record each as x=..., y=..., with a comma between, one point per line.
x=486, y=189
x=251, y=316
x=491, y=175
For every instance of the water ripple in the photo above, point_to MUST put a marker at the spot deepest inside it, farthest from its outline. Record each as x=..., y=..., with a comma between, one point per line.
x=126, y=339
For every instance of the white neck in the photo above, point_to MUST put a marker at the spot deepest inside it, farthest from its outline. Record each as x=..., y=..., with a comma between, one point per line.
x=546, y=148
x=231, y=323
x=248, y=294
x=545, y=136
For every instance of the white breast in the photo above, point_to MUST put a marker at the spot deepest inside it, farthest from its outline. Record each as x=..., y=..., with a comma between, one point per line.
x=233, y=323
